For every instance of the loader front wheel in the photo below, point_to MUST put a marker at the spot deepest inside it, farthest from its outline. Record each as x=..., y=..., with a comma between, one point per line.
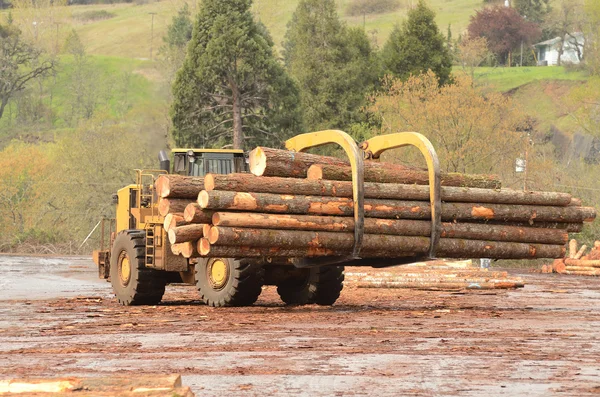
x=132, y=282
x=228, y=282
x=320, y=285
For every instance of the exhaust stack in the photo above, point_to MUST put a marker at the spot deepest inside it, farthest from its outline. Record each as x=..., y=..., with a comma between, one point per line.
x=165, y=163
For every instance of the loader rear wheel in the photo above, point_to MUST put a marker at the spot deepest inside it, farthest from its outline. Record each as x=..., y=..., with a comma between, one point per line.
x=228, y=282
x=132, y=282
x=320, y=285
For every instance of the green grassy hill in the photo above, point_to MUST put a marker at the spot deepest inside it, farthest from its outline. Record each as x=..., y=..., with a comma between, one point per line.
x=128, y=33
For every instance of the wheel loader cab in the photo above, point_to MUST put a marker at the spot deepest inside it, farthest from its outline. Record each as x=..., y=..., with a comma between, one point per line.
x=199, y=162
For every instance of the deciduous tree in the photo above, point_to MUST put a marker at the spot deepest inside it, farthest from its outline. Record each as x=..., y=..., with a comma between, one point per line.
x=231, y=87
x=20, y=63
x=472, y=132
x=504, y=30
x=471, y=53
x=416, y=46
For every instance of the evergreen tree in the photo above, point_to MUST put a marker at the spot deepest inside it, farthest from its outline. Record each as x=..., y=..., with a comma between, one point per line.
x=231, y=85
x=533, y=10
x=416, y=46
x=334, y=66
x=179, y=32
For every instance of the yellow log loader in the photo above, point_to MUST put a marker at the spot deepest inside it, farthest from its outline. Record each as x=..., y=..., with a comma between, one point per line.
x=139, y=261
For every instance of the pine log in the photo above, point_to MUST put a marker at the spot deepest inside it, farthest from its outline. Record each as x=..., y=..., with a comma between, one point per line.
x=179, y=186
x=401, y=271
x=546, y=269
x=182, y=234
x=284, y=163
x=582, y=273
x=388, y=173
x=173, y=220
x=186, y=249
x=250, y=183
x=171, y=206
x=558, y=266
x=445, y=285
x=576, y=202
x=584, y=263
x=275, y=162
x=213, y=251
x=380, y=245
x=194, y=214
x=400, y=227
x=582, y=268
x=273, y=203
x=564, y=226
x=176, y=249
x=581, y=251
x=572, y=248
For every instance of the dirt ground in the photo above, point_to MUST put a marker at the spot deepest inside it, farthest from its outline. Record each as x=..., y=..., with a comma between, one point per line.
x=58, y=319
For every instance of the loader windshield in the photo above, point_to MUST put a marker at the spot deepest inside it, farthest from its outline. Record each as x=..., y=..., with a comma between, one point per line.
x=198, y=163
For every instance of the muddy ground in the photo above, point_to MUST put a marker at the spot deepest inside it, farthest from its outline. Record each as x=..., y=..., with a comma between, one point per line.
x=58, y=319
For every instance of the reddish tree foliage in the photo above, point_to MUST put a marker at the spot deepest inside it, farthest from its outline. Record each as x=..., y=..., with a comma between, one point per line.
x=504, y=30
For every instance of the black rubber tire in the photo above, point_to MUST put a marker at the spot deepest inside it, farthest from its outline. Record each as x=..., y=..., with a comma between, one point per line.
x=242, y=287
x=320, y=285
x=145, y=286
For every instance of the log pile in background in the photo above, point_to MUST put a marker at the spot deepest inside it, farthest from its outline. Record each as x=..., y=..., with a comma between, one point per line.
x=434, y=275
x=277, y=211
x=577, y=262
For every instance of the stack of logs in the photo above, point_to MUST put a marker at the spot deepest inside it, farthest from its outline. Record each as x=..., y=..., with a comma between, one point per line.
x=434, y=275
x=300, y=205
x=577, y=262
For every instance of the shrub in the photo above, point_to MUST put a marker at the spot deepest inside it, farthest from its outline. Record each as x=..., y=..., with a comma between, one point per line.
x=368, y=7
x=93, y=15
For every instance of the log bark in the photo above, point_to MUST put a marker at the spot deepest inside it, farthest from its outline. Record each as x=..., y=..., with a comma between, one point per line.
x=179, y=186
x=172, y=206
x=564, y=226
x=182, y=234
x=194, y=214
x=213, y=251
x=400, y=227
x=275, y=162
x=284, y=163
x=380, y=245
x=388, y=173
x=173, y=220
x=277, y=185
x=288, y=204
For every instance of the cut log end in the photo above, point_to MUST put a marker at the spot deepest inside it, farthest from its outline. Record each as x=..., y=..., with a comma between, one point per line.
x=209, y=182
x=203, y=246
x=315, y=172
x=258, y=161
x=162, y=186
x=172, y=236
x=203, y=199
x=213, y=235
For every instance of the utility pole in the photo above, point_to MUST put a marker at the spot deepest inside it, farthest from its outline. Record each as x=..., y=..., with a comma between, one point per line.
x=152, y=35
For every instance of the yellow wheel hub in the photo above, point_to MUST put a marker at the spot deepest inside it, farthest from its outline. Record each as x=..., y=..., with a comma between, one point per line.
x=218, y=273
x=124, y=269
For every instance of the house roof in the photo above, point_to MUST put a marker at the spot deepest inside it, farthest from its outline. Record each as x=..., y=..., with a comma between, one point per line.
x=556, y=40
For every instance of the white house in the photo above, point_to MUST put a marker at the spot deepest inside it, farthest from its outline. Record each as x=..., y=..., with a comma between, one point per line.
x=547, y=51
